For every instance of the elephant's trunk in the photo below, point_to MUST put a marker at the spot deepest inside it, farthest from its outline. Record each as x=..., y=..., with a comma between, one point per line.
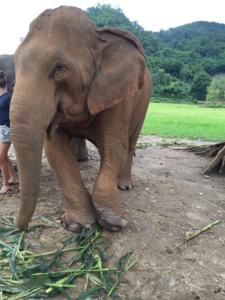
x=28, y=144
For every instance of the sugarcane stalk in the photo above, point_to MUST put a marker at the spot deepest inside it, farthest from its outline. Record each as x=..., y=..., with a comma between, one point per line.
x=77, y=271
x=52, y=252
x=198, y=232
x=58, y=283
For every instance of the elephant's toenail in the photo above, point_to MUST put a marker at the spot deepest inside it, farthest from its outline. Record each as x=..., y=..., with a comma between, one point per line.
x=123, y=223
x=87, y=226
x=75, y=227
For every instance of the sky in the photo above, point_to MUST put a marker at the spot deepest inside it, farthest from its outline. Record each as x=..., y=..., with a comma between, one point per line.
x=16, y=15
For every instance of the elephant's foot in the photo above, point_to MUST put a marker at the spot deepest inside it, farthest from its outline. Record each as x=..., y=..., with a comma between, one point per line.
x=110, y=220
x=74, y=221
x=110, y=212
x=82, y=152
x=82, y=158
x=106, y=199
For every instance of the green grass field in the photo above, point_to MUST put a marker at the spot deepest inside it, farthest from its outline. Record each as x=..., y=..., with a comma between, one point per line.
x=185, y=121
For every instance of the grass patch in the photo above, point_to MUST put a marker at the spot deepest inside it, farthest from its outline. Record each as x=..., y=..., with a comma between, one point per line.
x=185, y=121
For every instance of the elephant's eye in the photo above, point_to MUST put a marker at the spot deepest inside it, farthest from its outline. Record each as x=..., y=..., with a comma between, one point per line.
x=58, y=68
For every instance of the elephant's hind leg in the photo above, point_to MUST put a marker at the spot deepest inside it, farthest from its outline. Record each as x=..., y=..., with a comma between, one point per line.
x=80, y=210
x=79, y=147
x=125, y=181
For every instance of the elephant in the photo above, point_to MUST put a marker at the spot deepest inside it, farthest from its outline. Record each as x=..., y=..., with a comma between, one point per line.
x=7, y=65
x=73, y=78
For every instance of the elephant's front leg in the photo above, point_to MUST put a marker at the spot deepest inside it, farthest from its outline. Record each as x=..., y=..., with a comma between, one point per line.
x=105, y=196
x=80, y=210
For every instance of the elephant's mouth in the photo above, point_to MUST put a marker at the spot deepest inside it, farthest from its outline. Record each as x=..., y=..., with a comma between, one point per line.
x=72, y=122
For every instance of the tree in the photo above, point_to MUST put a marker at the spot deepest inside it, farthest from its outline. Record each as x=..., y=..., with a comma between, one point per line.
x=160, y=81
x=216, y=90
x=172, y=66
x=186, y=74
x=105, y=15
x=199, y=87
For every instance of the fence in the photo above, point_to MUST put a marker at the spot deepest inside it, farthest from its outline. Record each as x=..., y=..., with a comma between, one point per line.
x=211, y=103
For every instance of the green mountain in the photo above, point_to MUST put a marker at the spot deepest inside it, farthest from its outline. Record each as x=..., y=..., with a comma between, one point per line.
x=181, y=60
x=203, y=42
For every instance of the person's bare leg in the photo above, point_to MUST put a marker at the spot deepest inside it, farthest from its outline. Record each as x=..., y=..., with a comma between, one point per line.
x=13, y=177
x=4, y=147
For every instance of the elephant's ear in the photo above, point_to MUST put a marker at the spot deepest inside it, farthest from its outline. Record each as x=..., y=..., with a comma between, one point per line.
x=121, y=70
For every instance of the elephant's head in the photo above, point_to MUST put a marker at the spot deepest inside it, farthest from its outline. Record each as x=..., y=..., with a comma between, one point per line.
x=66, y=71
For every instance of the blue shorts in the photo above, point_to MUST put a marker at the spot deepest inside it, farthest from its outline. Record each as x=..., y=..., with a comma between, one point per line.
x=5, y=135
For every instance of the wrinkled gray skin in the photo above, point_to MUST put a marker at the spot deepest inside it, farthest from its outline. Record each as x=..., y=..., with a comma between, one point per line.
x=75, y=79
x=7, y=65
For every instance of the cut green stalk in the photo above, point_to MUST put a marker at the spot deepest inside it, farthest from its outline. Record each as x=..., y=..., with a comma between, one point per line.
x=144, y=210
x=49, y=222
x=131, y=260
x=98, y=265
x=93, y=292
x=11, y=281
x=191, y=236
x=198, y=232
x=4, y=262
x=24, y=295
x=95, y=280
x=6, y=277
x=76, y=258
x=18, y=253
x=25, y=252
x=59, y=283
x=4, y=245
x=57, y=240
x=52, y=252
x=13, y=218
x=77, y=271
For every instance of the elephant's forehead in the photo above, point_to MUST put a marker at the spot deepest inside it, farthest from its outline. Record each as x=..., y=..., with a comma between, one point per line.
x=58, y=28
x=63, y=19
x=59, y=34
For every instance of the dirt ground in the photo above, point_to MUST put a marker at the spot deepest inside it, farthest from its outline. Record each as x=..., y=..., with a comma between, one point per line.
x=170, y=199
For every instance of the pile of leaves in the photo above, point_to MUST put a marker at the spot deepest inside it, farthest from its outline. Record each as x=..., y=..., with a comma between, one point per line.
x=25, y=274
x=217, y=151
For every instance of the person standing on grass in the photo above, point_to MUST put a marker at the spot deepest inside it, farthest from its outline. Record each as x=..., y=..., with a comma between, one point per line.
x=5, y=137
